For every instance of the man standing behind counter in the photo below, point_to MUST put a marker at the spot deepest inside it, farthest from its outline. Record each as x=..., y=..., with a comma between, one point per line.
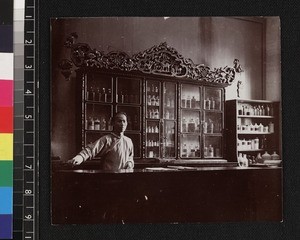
x=115, y=149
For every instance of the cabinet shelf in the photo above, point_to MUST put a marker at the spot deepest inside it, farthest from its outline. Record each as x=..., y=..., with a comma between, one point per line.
x=254, y=133
x=254, y=116
x=253, y=150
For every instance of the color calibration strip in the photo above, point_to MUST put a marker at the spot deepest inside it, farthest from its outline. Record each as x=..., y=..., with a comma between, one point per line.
x=6, y=118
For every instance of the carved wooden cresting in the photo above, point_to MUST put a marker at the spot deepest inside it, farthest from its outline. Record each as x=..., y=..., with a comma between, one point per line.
x=159, y=60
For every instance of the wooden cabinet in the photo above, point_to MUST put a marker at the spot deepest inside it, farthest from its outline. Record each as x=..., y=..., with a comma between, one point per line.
x=252, y=127
x=167, y=118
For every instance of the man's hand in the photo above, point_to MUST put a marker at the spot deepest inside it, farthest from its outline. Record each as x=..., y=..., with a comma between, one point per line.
x=77, y=160
x=129, y=165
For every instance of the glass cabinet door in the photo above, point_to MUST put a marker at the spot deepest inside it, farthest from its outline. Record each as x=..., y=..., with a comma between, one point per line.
x=213, y=99
x=212, y=147
x=190, y=115
x=128, y=90
x=169, y=120
x=212, y=125
x=153, y=114
x=99, y=88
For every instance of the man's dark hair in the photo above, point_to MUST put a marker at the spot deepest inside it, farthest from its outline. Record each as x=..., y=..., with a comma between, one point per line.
x=116, y=114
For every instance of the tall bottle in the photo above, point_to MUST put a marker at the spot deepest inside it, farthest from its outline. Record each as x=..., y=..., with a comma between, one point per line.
x=210, y=151
x=184, y=126
x=210, y=127
x=207, y=104
x=188, y=102
x=184, y=150
x=212, y=103
x=183, y=101
x=193, y=102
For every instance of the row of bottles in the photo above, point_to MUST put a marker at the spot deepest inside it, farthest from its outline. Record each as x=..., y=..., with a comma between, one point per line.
x=151, y=129
x=260, y=128
x=98, y=124
x=190, y=151
x=169, y=102
x=152, y=143
x=211, y=151
x=244, y=160
x=153, y=100
x=191, y=125
x=152, y=88
x=190, y=102
x=210, y=104
x=257, y=110
x=153, y=113
x=169, y=115
x=251, y=144
x=103, y=95
x=124, y=97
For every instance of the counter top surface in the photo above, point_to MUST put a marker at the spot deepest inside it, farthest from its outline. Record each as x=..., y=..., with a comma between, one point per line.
x=167, y=169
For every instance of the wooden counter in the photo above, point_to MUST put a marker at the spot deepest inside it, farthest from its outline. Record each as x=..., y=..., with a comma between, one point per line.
x=158, y=195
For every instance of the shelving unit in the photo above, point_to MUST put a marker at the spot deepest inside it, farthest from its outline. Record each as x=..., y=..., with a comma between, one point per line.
x=252, y=127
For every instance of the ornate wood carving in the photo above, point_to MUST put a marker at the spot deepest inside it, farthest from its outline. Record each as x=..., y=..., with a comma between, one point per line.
x=159, y=60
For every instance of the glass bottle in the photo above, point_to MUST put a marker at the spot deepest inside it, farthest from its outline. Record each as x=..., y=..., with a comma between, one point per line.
x=266, y=156
x=210, y=151
x=188, y=102
x=193, y=102
x=184, y=126
x=205, y=152
x=191, y=125
x=167, y=114
x=192, y=153
x=212, y=103
x=149, y=100
x=104, y=95
x=153, y=100
x=183, y=101
x=275, y=156
x=184, y=151
x=207, y=104
x=268, y=110
x=91, y=123
x=204, y=127
x=91, y=94
x=240, y=160
x=168, y=102
x=240, y=110
x=210, y=127
x=103, y=124
x=156, y=114
x=259, y=158
x=157, y=101
x=98, y=95
x=109, y=95
x=97, y=124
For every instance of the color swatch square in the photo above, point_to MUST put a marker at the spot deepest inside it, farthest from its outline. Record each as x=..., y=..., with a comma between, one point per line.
x=6, y=146
x=6, y=120
x=6, y=200
x=6, y=226
x=6, y=93
x=6, y=66
x=6, y=173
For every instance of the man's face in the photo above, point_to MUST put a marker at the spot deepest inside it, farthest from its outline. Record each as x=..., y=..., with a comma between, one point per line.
x=120, y=123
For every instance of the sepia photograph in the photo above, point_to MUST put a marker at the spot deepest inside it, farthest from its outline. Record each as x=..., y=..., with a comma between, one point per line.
x=166, y=120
